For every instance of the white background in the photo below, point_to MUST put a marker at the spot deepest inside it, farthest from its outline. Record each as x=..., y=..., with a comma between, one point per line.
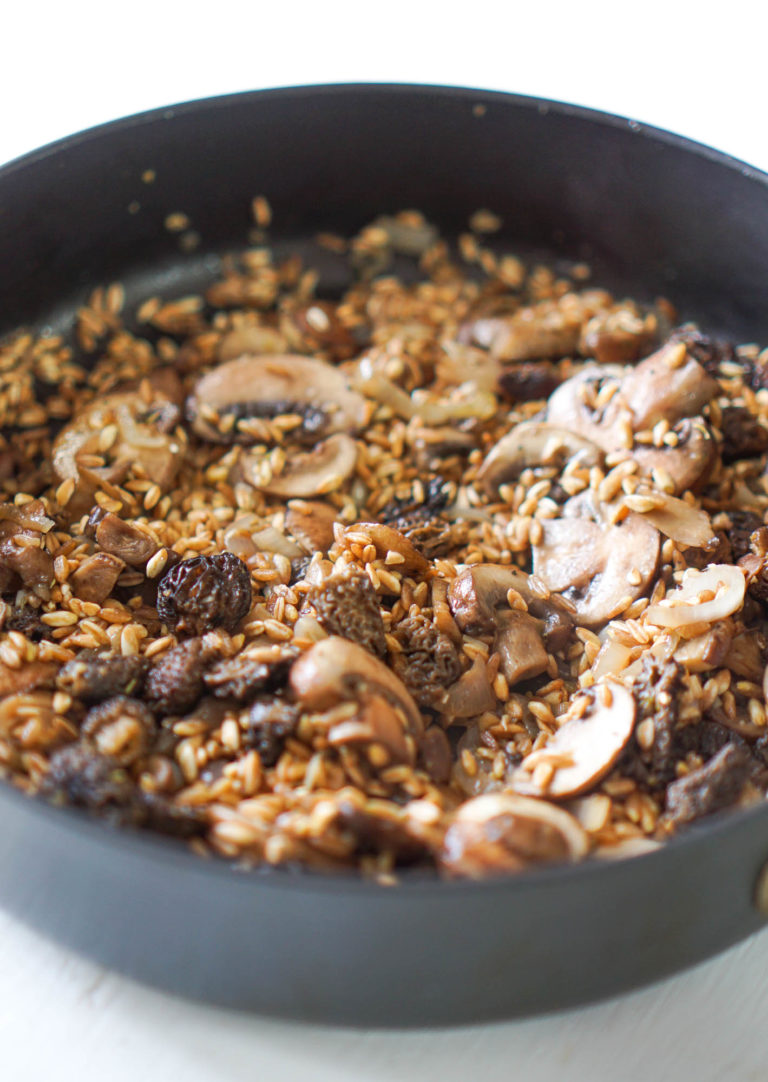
x=698, y=69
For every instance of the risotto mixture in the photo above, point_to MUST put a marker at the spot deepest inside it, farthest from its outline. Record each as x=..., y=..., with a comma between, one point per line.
x=465, y=570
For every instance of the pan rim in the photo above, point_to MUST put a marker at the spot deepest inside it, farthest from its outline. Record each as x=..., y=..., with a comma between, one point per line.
x=168, y=853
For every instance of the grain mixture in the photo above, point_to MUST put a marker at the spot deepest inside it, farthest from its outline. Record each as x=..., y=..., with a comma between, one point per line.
x=464, y=573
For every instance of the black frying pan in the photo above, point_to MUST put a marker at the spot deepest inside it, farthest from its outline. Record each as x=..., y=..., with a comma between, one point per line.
x=654, y=214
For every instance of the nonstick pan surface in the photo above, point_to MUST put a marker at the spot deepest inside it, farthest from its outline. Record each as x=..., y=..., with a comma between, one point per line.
x=654, y=214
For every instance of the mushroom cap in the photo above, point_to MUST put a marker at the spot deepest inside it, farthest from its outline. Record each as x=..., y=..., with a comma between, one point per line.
x=668, y=385
x=572, y=407
x=286, y=380
x=600, y=568
x=520, y=648
x=336, y=669
x=497, y=833
x=534, y=444
x=584, y=749
x=688, y=463
x=159, y=453
x=312, y=473
x=478, y=591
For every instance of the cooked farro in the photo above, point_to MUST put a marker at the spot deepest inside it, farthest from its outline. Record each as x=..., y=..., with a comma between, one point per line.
x=466, y=574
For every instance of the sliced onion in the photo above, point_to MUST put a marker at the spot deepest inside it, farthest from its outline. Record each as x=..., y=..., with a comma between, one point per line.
x=683, y=523
x=612, y=658
x=475, y=403
x=29, y=516
x=682, y=606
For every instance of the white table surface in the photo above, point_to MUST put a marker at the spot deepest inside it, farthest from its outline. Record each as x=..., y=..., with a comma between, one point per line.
x=66, y=67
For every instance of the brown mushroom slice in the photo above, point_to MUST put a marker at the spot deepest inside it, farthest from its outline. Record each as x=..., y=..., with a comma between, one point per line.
x=386, y=540
x=311, y=473
x=95, y=578
x=498, y=833
x=701, y=598
x=377, y=722
x=470, y=695
x=273, y=384
x=668, y=385
x=335, y=669
x=600, y=569
x=547, y=329
x=590, y=405
x=621, y=335
x=687, y=464
x=22, y=553
x=584, y=749
x=125, y=540
x=707, y=651
x=311, y=523
x=534, y=444
x=138, y=439
x=521, y=651
x=476, y=594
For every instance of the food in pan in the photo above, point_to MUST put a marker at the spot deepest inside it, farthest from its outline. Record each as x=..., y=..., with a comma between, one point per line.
x=463, y=571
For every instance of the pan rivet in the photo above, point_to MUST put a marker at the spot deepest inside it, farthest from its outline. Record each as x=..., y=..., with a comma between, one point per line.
x=761, y=891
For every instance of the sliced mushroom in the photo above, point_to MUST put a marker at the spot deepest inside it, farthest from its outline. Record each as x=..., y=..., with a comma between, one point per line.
x=386, y=540
x=250, y=339
x=599, y=568
x=22, y=553
x=518, y=643
x=608, y=404
x=141, y=437
x=498, y=833
x=548, y=329
x=707, y=651
x=125, y=540
x=311, y=523
x=470, y=695
x=688, y=463
x=584, y=748
x=669, y=385
x=335, y=669
x=312, y=473
x=377, y=722
x=589, y=404
x=479, y=591
x=619, y=335
x=95, y=578
x=534, y=444
x=266, y=386
x=701, y=598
